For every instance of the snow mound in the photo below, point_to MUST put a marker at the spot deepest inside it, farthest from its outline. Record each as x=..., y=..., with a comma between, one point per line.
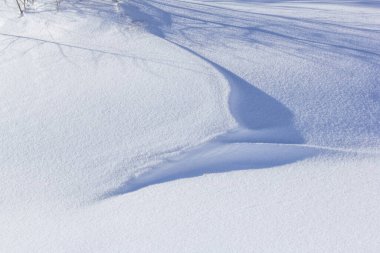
x=190, y=126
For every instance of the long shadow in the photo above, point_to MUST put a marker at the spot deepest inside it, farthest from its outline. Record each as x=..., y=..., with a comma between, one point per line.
x=305, y=36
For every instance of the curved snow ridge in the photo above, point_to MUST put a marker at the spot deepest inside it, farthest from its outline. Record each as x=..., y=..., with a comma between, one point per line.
x=259, y=118
x=216, y=157
x=228, y=153
x=262, y=139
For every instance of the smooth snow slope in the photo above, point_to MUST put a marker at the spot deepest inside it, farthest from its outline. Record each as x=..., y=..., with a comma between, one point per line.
x=137, y=126
x=81, y=114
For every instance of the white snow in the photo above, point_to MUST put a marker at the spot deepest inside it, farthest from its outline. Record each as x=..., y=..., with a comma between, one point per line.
x=190, y=126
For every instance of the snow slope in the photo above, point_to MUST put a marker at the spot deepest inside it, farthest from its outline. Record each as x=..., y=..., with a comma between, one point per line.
x=139, y=125
x=91, y=113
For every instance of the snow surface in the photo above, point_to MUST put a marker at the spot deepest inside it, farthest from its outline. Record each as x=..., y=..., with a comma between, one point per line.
x=190, y=126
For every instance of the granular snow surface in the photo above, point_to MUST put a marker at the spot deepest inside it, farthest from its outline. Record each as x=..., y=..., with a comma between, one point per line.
x=190, y=126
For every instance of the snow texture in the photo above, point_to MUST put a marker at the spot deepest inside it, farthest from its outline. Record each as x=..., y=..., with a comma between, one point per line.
x=190, y=126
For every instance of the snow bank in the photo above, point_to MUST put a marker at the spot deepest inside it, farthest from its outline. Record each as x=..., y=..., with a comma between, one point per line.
x=191, y=126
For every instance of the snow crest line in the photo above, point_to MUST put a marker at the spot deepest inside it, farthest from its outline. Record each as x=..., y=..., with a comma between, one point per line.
x=266, y=136
x=257, y=143
x=239, y=148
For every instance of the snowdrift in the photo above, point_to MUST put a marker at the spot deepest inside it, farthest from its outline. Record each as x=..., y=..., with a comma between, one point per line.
x=190, y=126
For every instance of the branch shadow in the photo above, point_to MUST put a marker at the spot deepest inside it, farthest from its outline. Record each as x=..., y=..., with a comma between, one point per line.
x=196, y=22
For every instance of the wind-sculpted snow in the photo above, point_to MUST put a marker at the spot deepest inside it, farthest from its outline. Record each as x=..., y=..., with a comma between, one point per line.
x=311, y=46
x=320, y=63
x=190, y=126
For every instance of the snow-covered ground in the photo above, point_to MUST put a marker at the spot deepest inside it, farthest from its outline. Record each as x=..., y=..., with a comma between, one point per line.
x=190, y=126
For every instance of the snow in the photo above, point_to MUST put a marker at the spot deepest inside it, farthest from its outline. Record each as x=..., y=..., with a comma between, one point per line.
x=192, y=126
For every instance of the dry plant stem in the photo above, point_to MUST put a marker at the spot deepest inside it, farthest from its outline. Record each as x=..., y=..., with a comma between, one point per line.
x=19, y=7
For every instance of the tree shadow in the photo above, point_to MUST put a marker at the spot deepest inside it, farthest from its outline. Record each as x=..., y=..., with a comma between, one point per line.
x=196, y=22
